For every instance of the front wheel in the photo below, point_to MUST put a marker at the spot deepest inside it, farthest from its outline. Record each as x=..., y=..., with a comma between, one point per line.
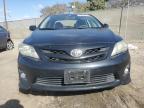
x=24, y=91
x=10, y=45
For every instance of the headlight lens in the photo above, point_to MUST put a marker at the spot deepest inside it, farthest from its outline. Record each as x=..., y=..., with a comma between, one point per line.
x=28, y=50
x=119, y=48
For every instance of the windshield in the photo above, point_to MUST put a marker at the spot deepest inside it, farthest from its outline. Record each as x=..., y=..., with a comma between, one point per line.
x=57, y=22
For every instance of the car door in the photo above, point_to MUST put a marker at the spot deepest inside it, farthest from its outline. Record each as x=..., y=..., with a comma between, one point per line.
x=3, y=37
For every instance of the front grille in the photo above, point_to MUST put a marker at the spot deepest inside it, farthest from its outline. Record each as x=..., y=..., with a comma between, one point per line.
x=59, y=81
x=101, y=79
x=49, y=81
x=89, y=55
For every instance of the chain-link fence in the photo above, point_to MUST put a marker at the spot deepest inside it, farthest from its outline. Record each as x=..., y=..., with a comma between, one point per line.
x=132, y=25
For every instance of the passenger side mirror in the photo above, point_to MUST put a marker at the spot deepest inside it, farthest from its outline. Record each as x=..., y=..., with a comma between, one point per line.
x=106, y=26
x=32, y=27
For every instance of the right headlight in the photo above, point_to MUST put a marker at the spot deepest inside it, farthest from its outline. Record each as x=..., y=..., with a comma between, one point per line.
x=28, y=50
x=119, y=48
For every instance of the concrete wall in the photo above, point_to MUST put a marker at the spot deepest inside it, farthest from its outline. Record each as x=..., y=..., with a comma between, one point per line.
x=134, y=31
x=135, y=24
x=20, y=28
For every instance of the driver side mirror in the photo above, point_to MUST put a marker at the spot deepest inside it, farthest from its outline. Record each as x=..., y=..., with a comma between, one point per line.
x=106, y=26
x=32, y=27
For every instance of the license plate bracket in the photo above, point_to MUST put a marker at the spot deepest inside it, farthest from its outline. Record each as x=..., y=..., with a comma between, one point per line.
x=76, y=76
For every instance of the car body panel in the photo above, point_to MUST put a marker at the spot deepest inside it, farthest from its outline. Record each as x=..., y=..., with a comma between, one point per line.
x=65, y=37
x=3, y=37
x=39, y=68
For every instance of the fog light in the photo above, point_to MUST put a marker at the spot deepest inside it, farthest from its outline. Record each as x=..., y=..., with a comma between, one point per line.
x=23, y=75
x=126, y=71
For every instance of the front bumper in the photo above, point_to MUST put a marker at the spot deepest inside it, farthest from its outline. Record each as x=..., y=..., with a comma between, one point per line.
x=34, y=69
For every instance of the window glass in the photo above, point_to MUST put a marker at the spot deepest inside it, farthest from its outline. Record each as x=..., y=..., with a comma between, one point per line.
x=2, y=29
x=70, y=22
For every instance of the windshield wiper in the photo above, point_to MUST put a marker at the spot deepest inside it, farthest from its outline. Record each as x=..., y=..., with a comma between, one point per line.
x=88, y=27
x=82, y=28
x=95, y=27
x=46, y=29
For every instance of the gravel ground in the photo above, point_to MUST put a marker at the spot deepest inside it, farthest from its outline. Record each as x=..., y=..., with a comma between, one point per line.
x=128, y=96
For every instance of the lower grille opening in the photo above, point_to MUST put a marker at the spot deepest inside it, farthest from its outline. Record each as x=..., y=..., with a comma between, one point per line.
x=59, y=81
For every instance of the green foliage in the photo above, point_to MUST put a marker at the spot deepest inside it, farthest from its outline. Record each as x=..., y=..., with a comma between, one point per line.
x=55, y=9
x=80, y=7
x=96, y=4
x=61, y=8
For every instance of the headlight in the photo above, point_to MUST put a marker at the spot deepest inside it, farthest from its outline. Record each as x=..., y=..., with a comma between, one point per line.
x=119, y=48
x=27, y=50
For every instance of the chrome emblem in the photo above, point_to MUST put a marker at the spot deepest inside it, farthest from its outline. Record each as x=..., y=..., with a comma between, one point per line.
x=76, y=52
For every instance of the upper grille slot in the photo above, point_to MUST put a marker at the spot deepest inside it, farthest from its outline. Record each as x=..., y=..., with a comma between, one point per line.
x=54, y=52
x=96, y=50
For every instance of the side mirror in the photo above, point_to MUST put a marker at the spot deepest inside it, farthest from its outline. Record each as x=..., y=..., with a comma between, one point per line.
x=32, y=28
x=106, y=26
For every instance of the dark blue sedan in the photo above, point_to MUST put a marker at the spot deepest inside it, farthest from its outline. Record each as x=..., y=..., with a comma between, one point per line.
x=72, y=52
x=5, y=40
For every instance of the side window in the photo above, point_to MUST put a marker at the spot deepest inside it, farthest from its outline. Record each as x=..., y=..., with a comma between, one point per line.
x=93, y=22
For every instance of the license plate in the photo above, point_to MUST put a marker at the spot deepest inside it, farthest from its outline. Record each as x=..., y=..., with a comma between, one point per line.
x=76, y=76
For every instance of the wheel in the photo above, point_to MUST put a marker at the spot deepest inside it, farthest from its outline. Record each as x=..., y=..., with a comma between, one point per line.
x=10, y=45
x=23, y=87
x=127, y=80
x=24, y=91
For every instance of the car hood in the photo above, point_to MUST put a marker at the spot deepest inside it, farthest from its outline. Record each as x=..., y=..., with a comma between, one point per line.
x=72, y=36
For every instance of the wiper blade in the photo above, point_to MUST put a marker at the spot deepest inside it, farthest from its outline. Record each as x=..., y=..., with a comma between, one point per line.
x=46, y=28
x=88, y=27
x=95, y=27
x=82, y=28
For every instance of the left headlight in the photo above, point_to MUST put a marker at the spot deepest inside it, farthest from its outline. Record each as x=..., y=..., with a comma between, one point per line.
x=28, y=50
x=119, y=48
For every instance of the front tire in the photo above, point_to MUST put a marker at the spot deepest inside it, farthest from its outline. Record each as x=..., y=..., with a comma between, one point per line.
x=24, y=91
x=126, y=80
x=24, y=87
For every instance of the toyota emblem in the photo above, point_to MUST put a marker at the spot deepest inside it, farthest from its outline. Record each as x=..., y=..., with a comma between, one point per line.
x=76, y=52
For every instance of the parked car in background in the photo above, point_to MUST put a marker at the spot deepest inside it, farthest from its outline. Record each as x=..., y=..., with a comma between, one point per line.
x=5, y=40
x=72, y=52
